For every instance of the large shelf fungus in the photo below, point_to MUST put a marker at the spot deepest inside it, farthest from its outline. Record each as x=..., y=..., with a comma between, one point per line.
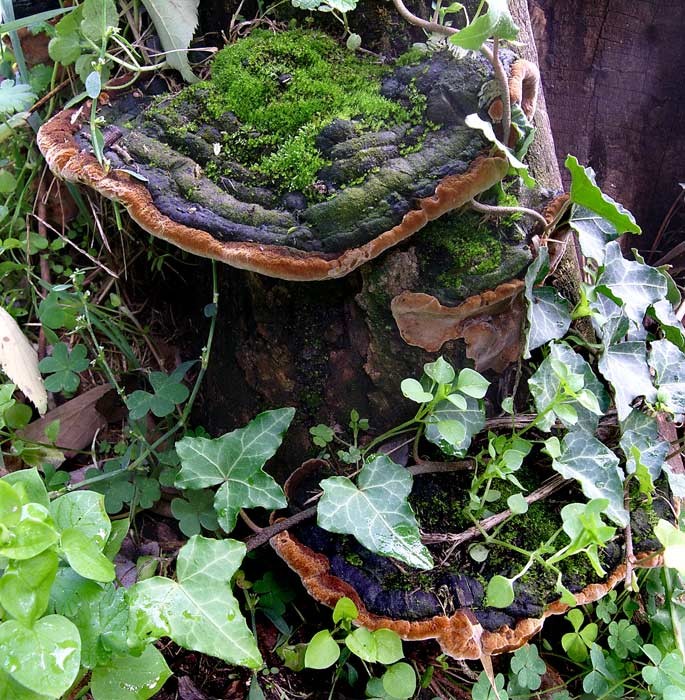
x=298, y=159
x=447, y=603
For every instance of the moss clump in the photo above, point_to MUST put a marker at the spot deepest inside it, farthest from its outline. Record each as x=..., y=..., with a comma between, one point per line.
x=411, y=57
x=284, y=88
x=461, y=245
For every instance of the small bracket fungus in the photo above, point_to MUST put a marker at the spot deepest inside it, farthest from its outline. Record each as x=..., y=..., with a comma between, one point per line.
x=447, y=603
x=298, y=159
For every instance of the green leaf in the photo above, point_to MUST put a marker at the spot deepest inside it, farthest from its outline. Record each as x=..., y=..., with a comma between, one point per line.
x=472, y=419
x=673, y=541
x=584, y=192
x=399, y=681
x=671, y=326
x=545, y=385
x=632, y=284
x=322, y=651
x=25, y=586
x=99, y=18
x=623, y=360
x=472, y=383
x=515, y=165
x=168, y=392
x=65, y=49
x=497, y=21
x=594, y=232
x=483, y=690
x=15, y=97
x=583, y=523
x=235, y=461
x=375, y=511
x=500, y=592
x=440, y=371
x=32, y=20
x=33, y=534
x=130, y=677
x=10, y=505
x=641, y=431
x=85, y=557
x=195, y=511
x=547, y=312
x=63, y=366
x=362, y=643
x=11, y=690
x=412, y=389
x=93, y=85
x=45, y=657
x=517, y=504
x=199, y=611
x=345, y=609
x=453, y=431
x=99, y=612
x=84, y=511
x=175, y=22
x=528, y=667
x=668, y=364
x=596, y=468
x=624, y=639
x=388, y=646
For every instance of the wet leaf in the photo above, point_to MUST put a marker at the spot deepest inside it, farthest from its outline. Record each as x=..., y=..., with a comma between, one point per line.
x=668, y=364
x=130, y=677
x=472, y=419
x=593, y=231
x=198, y=611
x=375, y=511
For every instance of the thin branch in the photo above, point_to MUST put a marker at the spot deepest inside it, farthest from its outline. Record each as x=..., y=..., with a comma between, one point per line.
x=425, y=466
x=265, y=534
x=503, y=211
x=628, y=539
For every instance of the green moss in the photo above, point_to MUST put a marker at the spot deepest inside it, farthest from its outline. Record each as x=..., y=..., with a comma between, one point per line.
x=411, y=57
x=462, y=245
x=284, y=88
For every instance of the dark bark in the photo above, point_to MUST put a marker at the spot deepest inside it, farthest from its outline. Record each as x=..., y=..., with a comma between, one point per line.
x=612, y=70
x=328, y=347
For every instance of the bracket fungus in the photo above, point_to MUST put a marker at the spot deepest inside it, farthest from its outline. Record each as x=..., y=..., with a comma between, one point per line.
x=447, y=603
x=298, y=159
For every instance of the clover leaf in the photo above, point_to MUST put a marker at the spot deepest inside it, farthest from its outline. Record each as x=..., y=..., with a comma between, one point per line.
x=63, y=367
x=168, y=392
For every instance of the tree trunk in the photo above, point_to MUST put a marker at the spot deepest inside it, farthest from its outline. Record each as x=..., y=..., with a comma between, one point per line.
x=328, y=347
x=616, y=98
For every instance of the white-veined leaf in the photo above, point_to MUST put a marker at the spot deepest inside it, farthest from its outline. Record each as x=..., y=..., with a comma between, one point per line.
x=375, y=511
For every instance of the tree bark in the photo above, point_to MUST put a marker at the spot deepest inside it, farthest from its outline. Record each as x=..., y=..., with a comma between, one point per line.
x=615, y=94
x=328, y=347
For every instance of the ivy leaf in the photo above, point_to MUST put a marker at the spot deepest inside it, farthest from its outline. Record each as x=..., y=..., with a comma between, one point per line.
x=632, y=284
x=596, y=468
x=516, y=165
x=545, y=385
x=668, y=364
x=51, y=645
x=547, y=311
x=15, y=97
x=175, y=22
x=641, y=431
x=673, y=542
x=375, y=511
x=235, y=461
x=63, y=367
x=672, y=328
x=584, y=192
x=594, y=232
x=627, y=360
x=129, y=677
x=99, y=16
x=497, y=21
x=198, y=611
x=472, y=419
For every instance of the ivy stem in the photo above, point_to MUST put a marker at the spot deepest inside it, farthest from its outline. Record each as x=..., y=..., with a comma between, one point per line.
x=628, y=539
x=503, y=211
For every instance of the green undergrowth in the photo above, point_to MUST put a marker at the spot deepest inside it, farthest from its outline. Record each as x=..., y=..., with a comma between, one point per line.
x=283, y=89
